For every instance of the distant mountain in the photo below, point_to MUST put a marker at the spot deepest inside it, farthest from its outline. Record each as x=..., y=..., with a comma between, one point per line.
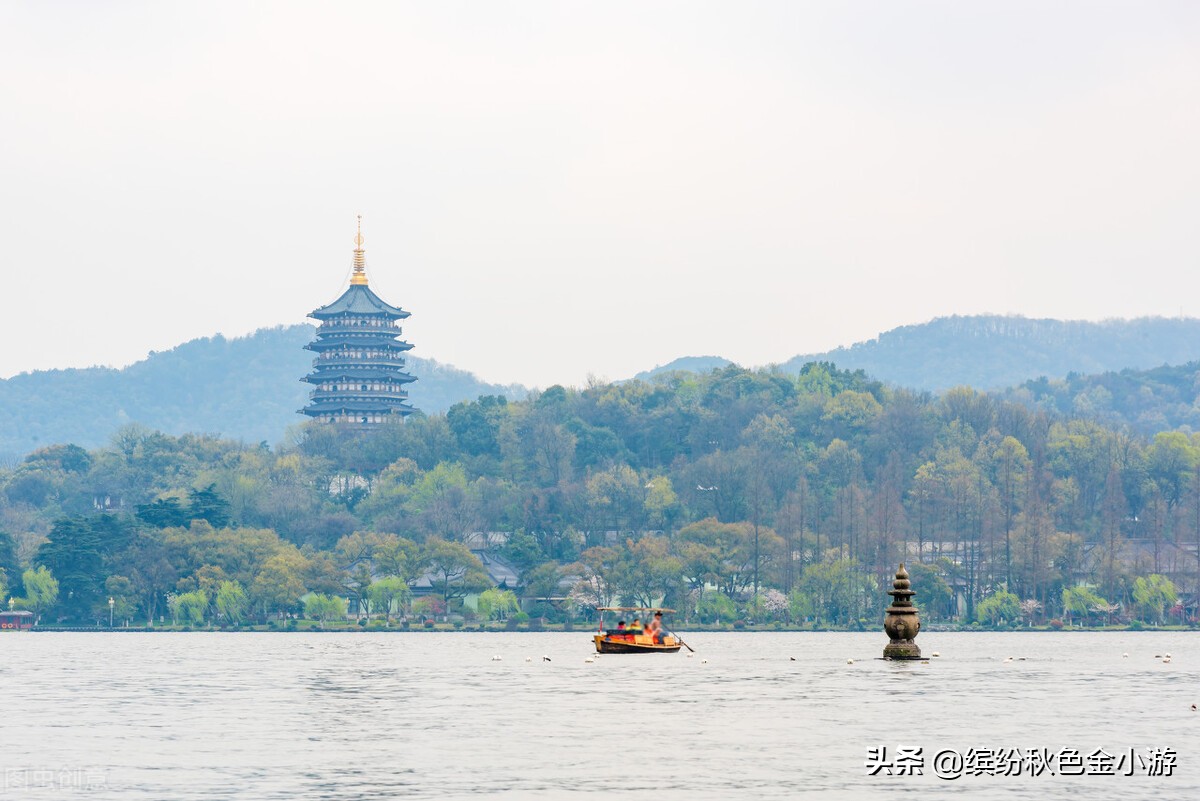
x=690, y=364
x=246, y=388
x=994, y=352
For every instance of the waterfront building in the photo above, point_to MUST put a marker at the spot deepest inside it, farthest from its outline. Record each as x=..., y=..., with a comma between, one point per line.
x=359, y=374
x=16, y=620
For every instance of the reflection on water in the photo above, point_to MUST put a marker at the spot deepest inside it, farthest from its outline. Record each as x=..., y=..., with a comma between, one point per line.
x=418, y=715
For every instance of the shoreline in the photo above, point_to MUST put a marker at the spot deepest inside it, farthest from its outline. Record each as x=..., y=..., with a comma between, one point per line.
x=450, y=629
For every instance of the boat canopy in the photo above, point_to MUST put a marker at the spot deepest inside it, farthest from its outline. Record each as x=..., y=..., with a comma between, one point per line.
x=662, y=609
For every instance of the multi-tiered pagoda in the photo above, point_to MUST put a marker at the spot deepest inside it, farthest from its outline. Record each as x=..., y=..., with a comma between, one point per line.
x=359, y=372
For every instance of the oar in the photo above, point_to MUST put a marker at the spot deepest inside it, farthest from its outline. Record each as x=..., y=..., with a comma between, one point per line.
x=684, y=644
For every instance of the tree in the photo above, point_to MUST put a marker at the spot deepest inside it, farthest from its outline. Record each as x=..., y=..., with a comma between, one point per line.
x=838, y=590
x=124, y=598
x=442, y=502
x=454, y=570
x=497, y=604
x=388, y=593
x=1079, y=600
x=190, y=608
x=279, y=585
x=232, y=602
x=74, y=554
x=206, y=504
x=716, y=607
x=934, y=596
x=41, y=590
x=999, y=607
x=1011, y=461
x=476, y=424
x=10, y=568
x=324, y=607
x=163, y=513
x=1154, y=594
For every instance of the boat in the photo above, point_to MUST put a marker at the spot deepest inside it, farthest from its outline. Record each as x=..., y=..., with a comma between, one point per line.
x=633, y=641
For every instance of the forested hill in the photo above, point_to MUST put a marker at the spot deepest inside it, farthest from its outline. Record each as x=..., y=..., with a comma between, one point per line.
x=246, y=388
x=994, y=352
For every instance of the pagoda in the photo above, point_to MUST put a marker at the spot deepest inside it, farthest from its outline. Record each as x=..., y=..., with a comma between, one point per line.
x=358, y=374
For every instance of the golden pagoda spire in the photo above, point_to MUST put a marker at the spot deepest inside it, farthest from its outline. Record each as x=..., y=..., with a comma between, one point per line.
x=360, y=260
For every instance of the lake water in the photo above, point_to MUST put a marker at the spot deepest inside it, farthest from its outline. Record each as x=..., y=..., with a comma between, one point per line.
x=419, y=715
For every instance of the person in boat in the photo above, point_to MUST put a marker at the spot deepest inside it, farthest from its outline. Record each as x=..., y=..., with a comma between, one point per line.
x=636, y=627
x=620, y=625
x=655, y=629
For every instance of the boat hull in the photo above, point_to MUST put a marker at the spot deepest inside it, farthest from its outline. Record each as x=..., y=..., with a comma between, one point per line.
x=614, y=645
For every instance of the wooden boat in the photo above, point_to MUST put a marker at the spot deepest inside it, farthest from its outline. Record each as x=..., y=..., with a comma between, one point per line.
x=633, y=641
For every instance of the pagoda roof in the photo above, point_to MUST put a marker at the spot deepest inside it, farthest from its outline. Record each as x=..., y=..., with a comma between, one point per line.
x=325, y=373
x=386, y=405
x=337, y=340
x=359, y=299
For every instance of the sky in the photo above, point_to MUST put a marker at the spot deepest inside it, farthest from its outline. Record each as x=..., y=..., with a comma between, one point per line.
x=565, y=190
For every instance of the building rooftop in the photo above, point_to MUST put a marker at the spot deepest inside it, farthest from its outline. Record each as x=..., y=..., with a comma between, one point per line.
x=359, y=299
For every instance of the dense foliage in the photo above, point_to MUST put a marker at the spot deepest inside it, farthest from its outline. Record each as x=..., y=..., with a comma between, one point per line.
x=733, y=495
x=1147, y=401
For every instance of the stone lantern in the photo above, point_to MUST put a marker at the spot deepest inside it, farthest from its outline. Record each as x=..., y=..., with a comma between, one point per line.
x=902, y=622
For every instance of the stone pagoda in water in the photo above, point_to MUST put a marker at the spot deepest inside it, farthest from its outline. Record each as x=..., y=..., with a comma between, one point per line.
x=358, y=375
x=902, y=622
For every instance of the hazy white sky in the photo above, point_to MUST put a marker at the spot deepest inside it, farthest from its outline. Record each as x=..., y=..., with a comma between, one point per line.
x=561, y=189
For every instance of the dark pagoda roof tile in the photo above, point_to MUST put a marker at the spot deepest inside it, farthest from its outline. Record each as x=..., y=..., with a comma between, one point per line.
x=322, y=343
x=325, y=373
x=359, y=299
x=377, y=405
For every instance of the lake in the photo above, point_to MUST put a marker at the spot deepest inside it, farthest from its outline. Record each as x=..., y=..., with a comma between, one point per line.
x=421, y=715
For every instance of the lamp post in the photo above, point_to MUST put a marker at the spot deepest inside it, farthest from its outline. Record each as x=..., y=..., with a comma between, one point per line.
x=111, y=602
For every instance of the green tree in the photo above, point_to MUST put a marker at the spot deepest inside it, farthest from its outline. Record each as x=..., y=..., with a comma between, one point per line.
x=716, y=607
x=10, y=567
x=476, y=424
x=124, y=598
x=934, y=597
x=1079, y=600
x=232, y=602
x=190, y=608
x=74, y=553
x=163, y=513
x=839, y=590
x=389, y=594
x=999, y=607
x=324, y=607
x=280, y=584
x=41, y=590
x=497, y=604
x=1154, y=594
x=454, y=570
x=207, y=504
